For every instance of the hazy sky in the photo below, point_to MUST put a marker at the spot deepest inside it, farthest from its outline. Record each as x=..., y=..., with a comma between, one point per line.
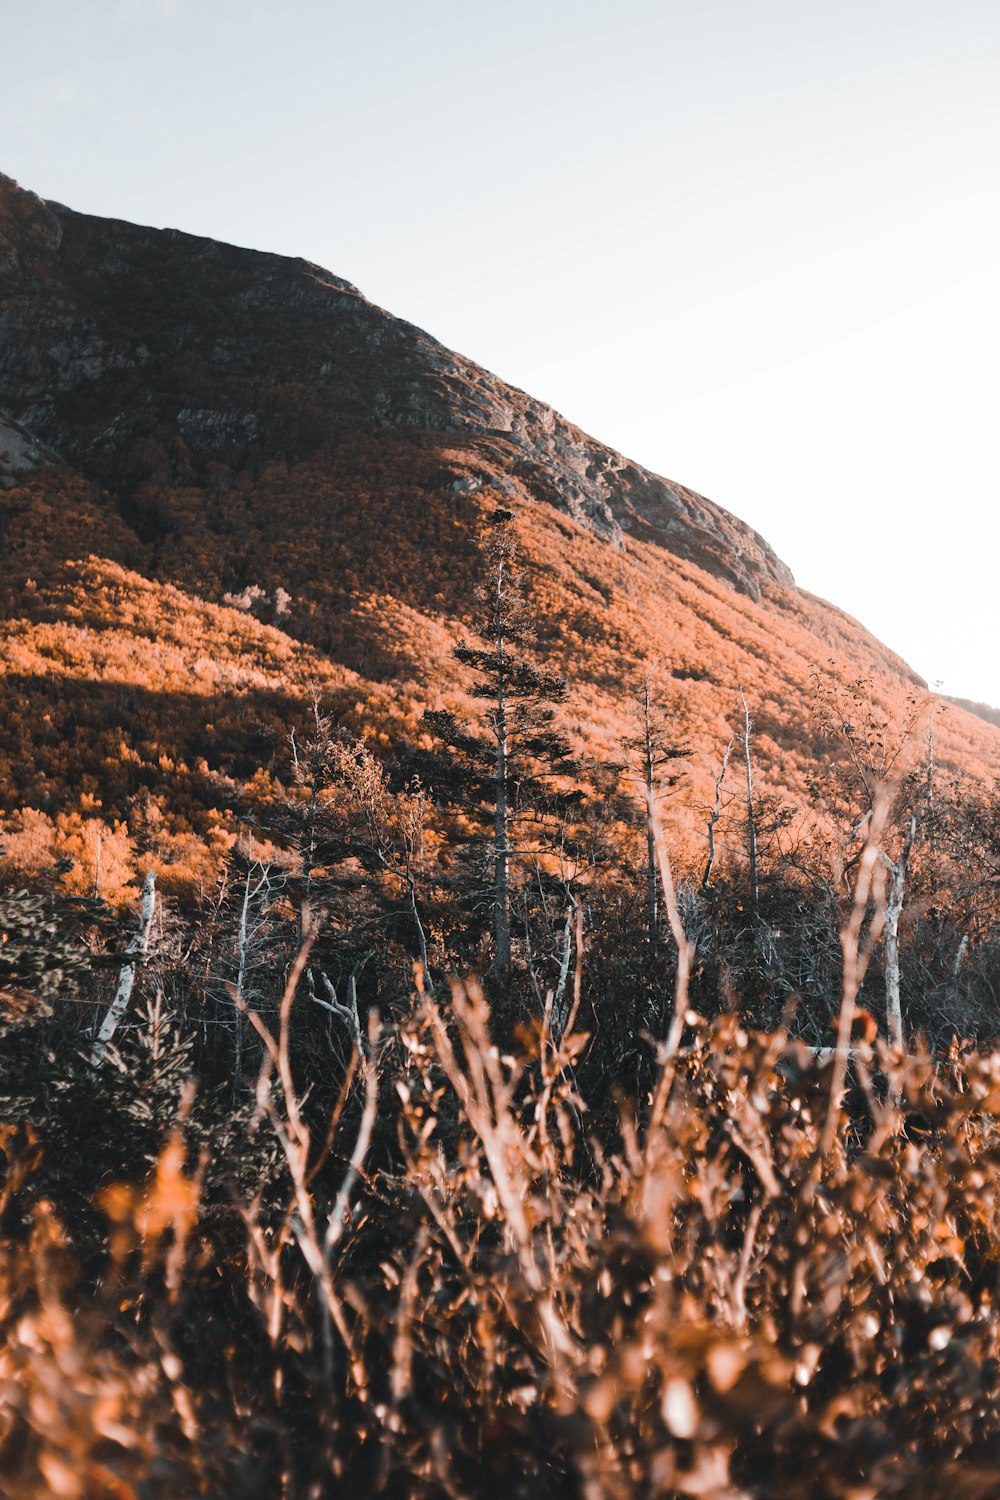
x=752, y=243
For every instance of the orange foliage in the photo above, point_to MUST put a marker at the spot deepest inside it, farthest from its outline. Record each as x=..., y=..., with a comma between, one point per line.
x=139, y=688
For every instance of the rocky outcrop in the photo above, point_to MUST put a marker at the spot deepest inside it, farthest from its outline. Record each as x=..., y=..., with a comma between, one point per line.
x=114, y=338
x=20, y=453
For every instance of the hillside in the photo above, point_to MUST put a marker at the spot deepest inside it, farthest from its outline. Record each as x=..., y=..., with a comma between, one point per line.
x=227, y=479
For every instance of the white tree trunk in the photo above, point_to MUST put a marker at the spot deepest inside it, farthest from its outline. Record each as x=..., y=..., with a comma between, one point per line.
x=241, y=977
x=560, y=1004
x=136, y=949
x=751, y=811
x=347, y=1013
x=894, y=908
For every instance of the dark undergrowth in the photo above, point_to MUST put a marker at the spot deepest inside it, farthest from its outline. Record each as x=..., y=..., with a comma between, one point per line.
x=454, y=1275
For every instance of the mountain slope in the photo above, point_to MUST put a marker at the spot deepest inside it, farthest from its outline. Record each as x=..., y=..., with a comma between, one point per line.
x=114, y=336
x=250, y=452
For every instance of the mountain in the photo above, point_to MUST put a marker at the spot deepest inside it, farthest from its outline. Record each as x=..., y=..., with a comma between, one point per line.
x=227, y=479
x=116, y=338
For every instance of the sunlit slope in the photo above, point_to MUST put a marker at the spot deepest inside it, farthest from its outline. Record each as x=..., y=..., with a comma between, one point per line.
x=228, y=483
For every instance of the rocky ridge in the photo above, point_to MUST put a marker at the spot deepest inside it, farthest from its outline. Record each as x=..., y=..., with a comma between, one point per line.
x=110, y=332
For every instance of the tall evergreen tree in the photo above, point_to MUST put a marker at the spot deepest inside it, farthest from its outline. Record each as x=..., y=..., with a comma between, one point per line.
x=504, y=768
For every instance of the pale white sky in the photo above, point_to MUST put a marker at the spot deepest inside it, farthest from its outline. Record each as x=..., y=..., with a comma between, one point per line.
x=752, y=243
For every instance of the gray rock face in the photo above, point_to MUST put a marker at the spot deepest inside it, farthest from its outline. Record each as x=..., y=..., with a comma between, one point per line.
x=20, y=453
x=117, y=340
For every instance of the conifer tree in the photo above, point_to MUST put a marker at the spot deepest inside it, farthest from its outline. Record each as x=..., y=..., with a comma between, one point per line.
x=502, y=769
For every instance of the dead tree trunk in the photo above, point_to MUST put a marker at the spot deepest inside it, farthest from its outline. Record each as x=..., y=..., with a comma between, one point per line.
x=558, y=999
x=685, y=948
x=501, y=846
x=648, y=766
x=751, y=812
x=894, y=908
x=714, y=817
x=134, y=953
x=247, y=939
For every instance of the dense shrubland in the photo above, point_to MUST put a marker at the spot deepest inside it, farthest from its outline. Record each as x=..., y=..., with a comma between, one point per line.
x=146, y=691
x=692, y=1191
